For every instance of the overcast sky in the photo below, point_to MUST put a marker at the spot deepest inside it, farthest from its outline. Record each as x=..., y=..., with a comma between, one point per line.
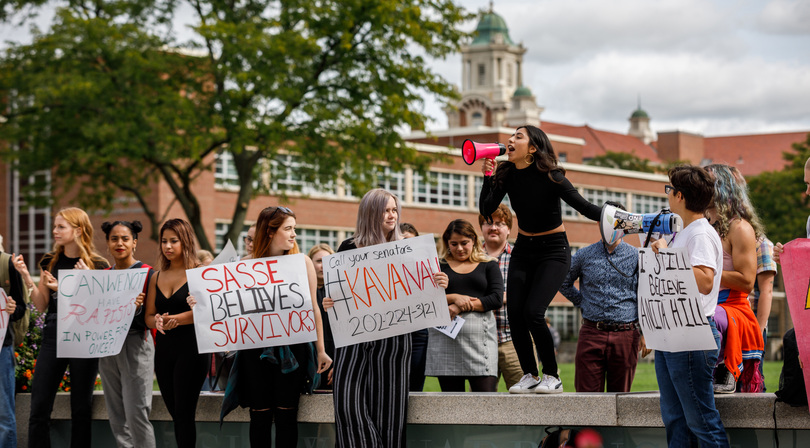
x=715, y=67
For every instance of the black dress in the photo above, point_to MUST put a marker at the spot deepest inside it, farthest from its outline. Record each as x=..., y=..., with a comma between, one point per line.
x=179, y=368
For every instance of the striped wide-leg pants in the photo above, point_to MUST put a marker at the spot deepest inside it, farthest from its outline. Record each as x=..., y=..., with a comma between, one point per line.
x=371, y=393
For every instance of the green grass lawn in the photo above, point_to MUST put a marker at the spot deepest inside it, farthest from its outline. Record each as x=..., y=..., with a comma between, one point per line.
x=644, y=380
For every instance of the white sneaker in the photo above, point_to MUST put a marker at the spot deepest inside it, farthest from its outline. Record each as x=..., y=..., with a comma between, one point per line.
x=725, y=383
x=549, y=385
x=526, y=385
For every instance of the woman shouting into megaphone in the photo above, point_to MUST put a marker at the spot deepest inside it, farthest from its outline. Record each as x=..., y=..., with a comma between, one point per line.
x=535, y=184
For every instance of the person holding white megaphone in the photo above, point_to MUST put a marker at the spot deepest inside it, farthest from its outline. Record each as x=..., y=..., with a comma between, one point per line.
x=541, y=256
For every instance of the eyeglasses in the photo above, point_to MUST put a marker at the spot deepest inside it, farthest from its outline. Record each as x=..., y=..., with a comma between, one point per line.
x=496, y=224
x=668, y=188
x=248, y=240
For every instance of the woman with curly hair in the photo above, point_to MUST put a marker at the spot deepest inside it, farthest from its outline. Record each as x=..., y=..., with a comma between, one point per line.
x=73, y=249
x=738, y=225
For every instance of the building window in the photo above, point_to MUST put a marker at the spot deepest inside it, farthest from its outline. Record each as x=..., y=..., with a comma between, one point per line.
x=562, y=157
x=30, y=226
x=219, y=238
x=482, y=74
x=598, y=197
x=392, y=181
x=648, y=204
x=566, y=319
x=440, y=189
x=307, y=238
x=285, y=176
x=225, y=174
x=479, y=183
x=477, y=119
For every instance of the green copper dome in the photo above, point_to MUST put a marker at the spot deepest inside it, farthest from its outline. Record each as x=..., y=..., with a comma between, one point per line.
x=490, y=25
x=523, y=91
x=639, y=113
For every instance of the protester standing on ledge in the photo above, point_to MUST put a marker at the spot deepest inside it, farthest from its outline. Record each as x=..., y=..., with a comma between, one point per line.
x=685, y=378
x=73, y=249
x=496, y=233
x=270, y=380
x=535, y=184
x=608, y=343
x=179, y=368
x=127, y=377
x=371, y=378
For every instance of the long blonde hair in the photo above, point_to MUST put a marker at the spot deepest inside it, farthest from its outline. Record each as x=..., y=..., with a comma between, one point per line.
x=78, y=219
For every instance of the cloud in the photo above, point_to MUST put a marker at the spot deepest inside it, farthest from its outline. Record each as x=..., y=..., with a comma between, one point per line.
x=685, y=89
x=785, y=17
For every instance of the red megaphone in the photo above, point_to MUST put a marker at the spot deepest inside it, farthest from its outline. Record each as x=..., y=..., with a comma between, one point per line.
x=472, y=151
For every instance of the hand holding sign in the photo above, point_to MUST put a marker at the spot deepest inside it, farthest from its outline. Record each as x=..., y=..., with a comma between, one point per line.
x=384, y=290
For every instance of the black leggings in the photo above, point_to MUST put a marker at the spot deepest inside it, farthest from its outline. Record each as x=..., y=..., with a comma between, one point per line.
x=477, y=383
x=180, y=373
x=537, y=268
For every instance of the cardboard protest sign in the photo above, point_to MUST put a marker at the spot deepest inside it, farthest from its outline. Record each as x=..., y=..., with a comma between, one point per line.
x=670, y=310
x=262, y=302
x=95, y=310
x=228, y=254
x=384, y=290
x=796, y=272
x=4, y=316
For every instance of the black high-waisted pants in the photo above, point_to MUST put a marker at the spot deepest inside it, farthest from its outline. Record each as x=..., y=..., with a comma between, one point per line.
x=538, y=267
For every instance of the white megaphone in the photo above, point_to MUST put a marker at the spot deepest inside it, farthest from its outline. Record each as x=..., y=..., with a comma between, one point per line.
x=616, y=223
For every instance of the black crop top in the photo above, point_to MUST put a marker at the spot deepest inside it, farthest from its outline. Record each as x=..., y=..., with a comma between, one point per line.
x=535, y=198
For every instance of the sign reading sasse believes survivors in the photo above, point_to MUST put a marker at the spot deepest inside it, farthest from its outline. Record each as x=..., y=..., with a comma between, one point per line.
x=95, y=310
x=384, y=290
x=670, y=311
x=252, y=303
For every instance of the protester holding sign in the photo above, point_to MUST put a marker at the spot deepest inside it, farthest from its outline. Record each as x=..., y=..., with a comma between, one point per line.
x=475, y=288
x=685, y=377
x=127, y=377
x=11, y=283
x=270, y=380
x=73, y=249
x=371, y=378
x=179, y=368
x=738, y=225
x=535, y=184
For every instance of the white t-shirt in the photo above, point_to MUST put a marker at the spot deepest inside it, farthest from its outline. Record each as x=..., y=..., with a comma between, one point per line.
x=705, y=249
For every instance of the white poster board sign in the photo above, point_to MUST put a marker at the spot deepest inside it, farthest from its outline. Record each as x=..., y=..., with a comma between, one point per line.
x=95, y=310
x=4, y=316
x=262, y=302
x=228, y=254
x=384, y=290
x=669, y=305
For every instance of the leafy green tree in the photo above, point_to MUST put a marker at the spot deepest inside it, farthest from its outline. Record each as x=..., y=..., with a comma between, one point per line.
x=622, y=160
x=779, y=196
x=110, y=100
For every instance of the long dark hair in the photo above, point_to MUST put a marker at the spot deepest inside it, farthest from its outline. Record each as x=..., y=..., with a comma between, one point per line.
x=545, y=160
x=186, y=236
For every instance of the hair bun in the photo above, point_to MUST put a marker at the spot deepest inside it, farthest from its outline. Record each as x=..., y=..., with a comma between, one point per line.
x=106, y=227
x=137, y=226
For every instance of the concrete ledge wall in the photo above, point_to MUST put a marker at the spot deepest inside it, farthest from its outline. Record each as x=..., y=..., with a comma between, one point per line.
x=641, y=409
